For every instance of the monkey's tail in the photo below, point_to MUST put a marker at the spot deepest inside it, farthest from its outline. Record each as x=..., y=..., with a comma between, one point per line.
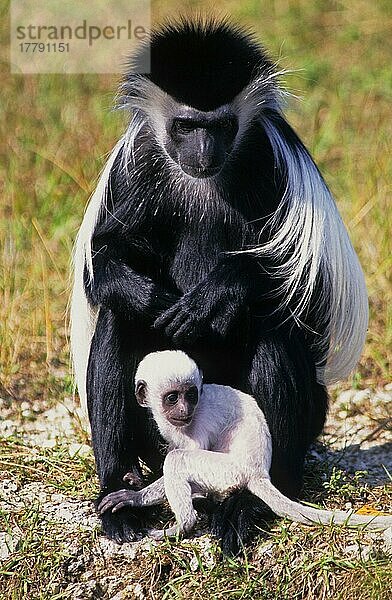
x=284, y=507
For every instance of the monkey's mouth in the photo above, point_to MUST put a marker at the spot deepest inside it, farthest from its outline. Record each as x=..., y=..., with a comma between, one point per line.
x=181, y=422
x=200, y=172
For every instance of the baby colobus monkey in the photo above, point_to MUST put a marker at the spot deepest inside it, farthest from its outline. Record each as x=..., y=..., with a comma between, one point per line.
x=218, y=440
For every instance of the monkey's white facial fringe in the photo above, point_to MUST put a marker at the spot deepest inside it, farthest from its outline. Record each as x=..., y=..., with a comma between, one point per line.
x=147, y=104
x=309, y=238
x=137, y=122
x=261, y=94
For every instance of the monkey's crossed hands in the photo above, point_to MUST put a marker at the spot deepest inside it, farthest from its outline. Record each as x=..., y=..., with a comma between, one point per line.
x=211, y=306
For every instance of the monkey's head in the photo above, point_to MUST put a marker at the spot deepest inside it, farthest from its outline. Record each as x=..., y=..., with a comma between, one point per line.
x=169, y=383
x=198, y=95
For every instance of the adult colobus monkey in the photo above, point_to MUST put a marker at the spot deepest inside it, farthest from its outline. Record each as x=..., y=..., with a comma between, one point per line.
x=212, y=230
x=218, y=440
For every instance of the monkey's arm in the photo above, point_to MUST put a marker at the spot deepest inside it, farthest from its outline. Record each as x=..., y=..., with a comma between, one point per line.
x=149, y=496
x=118, y=286
x=214, y=303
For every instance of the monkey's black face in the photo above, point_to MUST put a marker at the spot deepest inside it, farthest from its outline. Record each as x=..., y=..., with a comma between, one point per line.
x=179, y=405
x=200, y=142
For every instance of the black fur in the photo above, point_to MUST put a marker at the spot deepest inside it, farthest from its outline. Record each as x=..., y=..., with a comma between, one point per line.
x=163, y=279
x=213, y=61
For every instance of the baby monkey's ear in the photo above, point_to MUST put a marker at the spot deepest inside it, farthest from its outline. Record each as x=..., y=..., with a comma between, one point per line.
x=141, y=392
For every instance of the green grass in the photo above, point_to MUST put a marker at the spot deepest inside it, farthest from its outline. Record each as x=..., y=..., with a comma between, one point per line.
x=36, y=568
x=55, y=132
x=286, y=561
x=53, y=466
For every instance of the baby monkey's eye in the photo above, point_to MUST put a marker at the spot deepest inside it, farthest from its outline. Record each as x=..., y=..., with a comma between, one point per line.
x=171, y=398
x=192, y=395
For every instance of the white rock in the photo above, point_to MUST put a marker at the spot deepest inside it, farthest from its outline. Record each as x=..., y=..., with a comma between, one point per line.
x=346, y=397
x=138, y=591
x=82, y=450
x=265, y=549
x=8, y=544
x=361, y=396
x=84, y=591
x=387, y=537
x=364, y=552
x=8, y=487
x=8, y=428
x=110, y=548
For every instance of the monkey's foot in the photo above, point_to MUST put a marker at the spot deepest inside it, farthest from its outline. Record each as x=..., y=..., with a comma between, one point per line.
x=128, y=525
x=117, y=500
x=234, y=520
x=123, y=527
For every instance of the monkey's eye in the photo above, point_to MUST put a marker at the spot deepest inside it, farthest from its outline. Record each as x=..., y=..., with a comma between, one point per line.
x=192, y=395
x=230, y=124
x=183, y=126
x=171, y=398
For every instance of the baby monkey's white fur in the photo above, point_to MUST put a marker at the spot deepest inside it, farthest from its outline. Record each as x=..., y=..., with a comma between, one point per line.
x=227, y=445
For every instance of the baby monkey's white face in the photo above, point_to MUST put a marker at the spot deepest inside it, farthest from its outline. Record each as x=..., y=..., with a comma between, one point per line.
x=169, y=383
x=176, y=402
x=179, y=403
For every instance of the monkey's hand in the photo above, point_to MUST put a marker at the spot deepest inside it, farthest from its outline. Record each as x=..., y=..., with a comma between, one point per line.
x=149, y=496
x=118, y=287
x=118, y=500
x=200, y=311
x=211, y=306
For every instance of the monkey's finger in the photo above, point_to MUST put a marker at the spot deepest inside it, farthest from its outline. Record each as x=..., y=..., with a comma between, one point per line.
x=103, y=507
x=166, y=317
x=187, y=332
x=112, y=499
x=121, y=505
x=177, y=323
x=115, y=505
x=169, y=300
